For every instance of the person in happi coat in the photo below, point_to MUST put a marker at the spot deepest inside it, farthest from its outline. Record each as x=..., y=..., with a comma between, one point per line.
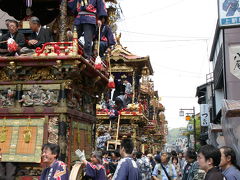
x=88, y=13
x=127, y=168
x=144, y=166
x=94, y=169
x=103, y=137
x=55, y=169
x=107, y=40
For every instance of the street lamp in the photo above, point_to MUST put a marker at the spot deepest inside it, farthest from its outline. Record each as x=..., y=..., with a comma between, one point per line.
x=181, y=113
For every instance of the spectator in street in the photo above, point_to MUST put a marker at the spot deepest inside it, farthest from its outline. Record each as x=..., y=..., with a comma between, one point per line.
x=173, y=153
x=127, y=168
x=144, y=166
x=153, y=163
x=164, y=170
x=209, y=158
x=105, y=161
x=191, y=170
x=13, y=33
x=228, y=163
x=55, y=169
x=114, y=161
x=182, y=161
x=175, y=163
x=39, y=35
x=94, y=169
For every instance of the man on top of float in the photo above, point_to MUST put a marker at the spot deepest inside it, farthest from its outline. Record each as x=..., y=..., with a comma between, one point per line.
x=13, y=33
x=87, y=13
x=39, y=35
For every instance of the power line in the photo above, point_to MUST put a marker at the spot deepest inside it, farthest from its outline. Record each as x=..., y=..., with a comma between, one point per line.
x=179, y=70
x=162, y=35
x=153, y=11
x=162, y=41
x=181, y=97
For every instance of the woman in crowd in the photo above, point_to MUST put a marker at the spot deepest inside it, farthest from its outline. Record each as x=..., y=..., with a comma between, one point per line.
x=177, y=166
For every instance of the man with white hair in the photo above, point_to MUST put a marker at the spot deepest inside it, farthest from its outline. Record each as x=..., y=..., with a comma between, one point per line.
x=40, y=35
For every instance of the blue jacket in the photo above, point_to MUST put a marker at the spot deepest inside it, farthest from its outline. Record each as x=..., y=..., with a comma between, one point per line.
x=58, y=171
x=106, y=35
x=87, y=11
x=127, y=169
x=96, y=172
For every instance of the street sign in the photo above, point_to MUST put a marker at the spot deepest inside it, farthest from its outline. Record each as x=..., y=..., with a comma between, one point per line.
x=229, y=12
x=205, y=117
x=234, y=60
x=190, y=127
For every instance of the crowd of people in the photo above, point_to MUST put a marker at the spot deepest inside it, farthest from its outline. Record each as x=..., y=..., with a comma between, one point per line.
x=210, y=163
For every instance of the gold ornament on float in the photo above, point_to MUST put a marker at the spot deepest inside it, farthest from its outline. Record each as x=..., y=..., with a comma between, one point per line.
x=27, y=134
x=3, y=132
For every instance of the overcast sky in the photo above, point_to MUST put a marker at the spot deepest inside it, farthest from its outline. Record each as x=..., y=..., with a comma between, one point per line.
x=177, y=35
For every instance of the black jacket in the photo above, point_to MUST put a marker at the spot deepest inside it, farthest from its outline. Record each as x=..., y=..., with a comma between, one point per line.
x=18, y=37
x=43, y=37
x=214, y=174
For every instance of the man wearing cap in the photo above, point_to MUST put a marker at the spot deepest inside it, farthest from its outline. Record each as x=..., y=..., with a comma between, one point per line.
x=40, y=35
x=13, y=33
x=87, y=13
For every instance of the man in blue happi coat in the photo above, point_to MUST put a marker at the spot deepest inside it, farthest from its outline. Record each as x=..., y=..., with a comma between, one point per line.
x=87, y=13
x=55, y=169
x=107, y=39
x=127, y=168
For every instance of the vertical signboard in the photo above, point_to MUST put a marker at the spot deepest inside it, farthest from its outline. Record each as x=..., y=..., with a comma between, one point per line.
x=234, y=59
x=205, y=117
x=229, y=12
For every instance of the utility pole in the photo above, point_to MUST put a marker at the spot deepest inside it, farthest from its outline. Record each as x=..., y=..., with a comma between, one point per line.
x=194, y=129
x=181, y=113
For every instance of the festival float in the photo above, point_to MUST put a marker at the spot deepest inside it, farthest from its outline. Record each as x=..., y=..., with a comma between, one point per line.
x=131, y=108
x=53, y=95
x=49, y=96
